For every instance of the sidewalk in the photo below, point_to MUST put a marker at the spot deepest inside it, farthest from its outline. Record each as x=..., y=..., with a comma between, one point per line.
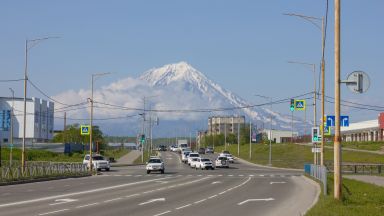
x=377, y=180
x=128, y=159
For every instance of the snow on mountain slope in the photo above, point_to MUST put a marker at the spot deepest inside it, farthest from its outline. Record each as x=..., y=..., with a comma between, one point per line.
x=194, y=81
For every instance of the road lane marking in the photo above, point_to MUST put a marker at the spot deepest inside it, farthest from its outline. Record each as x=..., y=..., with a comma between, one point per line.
x=200, y=201
x=62, y=201
x=152, y=200
x=216, y=182
x=111, y=200
x=261, y=175
x=162, y=213
x=283, y=182
x=213, y=196
x=53, y=212
x=255, y=200
x=184, y=206
x=132, y=195
x=77, y=193
x=91, y=204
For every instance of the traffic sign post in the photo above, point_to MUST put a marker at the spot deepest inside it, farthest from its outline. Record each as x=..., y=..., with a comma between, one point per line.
x=299, y=105
x=85, y=130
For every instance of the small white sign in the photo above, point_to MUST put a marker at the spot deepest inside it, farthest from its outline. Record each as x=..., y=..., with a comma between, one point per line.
x=317, y=150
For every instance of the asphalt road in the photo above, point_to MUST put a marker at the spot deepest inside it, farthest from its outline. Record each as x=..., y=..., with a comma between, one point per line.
x=239, y=190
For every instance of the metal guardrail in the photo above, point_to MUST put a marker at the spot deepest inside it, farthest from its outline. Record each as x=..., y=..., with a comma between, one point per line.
x=318, y=172
x=359, y=168
x=34, y=170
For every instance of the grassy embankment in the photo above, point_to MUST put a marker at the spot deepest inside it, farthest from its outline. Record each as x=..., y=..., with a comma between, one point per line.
x=371, y=146
x=295, y=156
x=358, y=199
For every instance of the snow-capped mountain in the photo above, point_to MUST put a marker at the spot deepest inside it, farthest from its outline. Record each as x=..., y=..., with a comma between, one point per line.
x=193, y=81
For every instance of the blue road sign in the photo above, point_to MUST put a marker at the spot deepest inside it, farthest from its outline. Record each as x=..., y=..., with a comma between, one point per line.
x=344, y=121
x=330, y=120
x=84, y=129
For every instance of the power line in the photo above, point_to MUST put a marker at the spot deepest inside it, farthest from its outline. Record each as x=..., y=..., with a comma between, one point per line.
x=12, y=80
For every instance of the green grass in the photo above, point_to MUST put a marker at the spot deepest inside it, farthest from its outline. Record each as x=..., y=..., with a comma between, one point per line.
x=358, y=199
x=295, y=156
x=115, y=153
x=371, y=146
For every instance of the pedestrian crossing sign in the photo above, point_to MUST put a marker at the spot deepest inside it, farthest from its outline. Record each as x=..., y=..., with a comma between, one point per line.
x=85, y=129
x=299, y=105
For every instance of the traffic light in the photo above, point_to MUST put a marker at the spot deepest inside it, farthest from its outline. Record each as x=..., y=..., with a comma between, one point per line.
x=292, y=107
x=142, y=139
x=316, y=134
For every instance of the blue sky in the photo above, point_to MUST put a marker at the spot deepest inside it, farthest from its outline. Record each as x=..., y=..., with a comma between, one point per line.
x=243, y=45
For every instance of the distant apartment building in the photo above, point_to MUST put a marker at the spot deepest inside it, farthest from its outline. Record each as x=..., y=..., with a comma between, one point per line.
x=224, y=124
x=39, y=118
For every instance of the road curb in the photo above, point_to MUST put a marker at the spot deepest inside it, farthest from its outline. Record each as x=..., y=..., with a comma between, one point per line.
x=270, y=167
x=122, y=165
x=316, y=184
x=41, y=179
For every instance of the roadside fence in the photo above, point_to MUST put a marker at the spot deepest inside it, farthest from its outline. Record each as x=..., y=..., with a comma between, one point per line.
x=318, y=172
x=35, y=170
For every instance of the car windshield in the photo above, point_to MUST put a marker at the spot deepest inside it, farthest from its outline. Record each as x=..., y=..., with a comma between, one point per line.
x=97, y=157
x=205, y=160
x=193, y=155
x=222, y=158
x=154, y=161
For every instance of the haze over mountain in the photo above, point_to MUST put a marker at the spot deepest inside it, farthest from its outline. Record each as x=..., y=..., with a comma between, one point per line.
x=178, y=94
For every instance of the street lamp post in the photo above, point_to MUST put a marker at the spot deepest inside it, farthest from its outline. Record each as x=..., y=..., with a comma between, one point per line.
x=314, y=95
x=91, y=119
x=270, y=128
x=29, y=44
x=12, y=113
x=313, y=20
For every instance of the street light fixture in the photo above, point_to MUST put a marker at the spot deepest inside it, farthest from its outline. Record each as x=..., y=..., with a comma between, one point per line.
x=314, y=96
x=91, y=119
x=270, y=127
x=29, y=44
x=314, y=21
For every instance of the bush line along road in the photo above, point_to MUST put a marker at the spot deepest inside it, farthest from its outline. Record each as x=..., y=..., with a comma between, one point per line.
x=239, y=190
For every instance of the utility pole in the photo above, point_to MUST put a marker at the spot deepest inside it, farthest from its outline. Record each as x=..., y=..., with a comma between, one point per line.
x=12, y=114
x=337, y=141
x=238, y=136
x=65, y=126
x=250, y=139
x=225, y=133
x=91, y=119
x=322, y=92
x=33, y=42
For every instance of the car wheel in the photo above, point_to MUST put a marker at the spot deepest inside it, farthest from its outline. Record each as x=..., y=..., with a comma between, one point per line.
x=107, y=169
x=148, y=171
x=98, y=169
x=162, y=171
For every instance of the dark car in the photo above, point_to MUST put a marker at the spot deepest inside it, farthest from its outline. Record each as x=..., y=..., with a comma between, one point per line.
x=163, y=148
x=201, y=151
x=226, y=152
x=209, y=150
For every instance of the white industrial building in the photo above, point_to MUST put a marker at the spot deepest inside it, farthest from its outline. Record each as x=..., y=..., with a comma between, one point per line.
x=39, y=118
x=280, y=136
x=370, y=130
x=225, y=124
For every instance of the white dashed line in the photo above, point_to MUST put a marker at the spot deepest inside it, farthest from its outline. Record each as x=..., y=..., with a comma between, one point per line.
x=91, y=204
x=132, y=195
x=200, y=201
x=111, y=200
x=162, y=213
x=183, y=206
x=53, y=212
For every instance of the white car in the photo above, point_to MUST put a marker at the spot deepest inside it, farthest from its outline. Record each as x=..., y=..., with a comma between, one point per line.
x=204, y=163
x=191, y=156
x=193, y=162
x=98, y=162
x=230, y=158
x=155, y=164
x=222, y=161
x=184, y=156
